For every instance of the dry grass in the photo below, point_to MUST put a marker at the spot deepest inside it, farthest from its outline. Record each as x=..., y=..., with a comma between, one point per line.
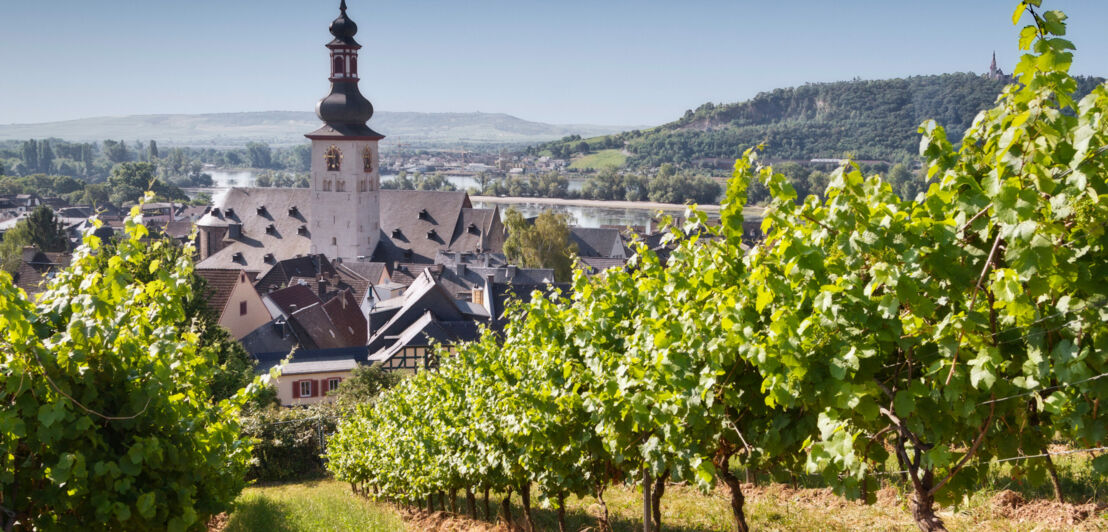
x=779, y=507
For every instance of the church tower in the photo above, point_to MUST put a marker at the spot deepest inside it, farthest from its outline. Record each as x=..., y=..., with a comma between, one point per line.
x=345, y=182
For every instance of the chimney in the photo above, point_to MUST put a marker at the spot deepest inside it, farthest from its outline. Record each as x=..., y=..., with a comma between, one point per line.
x=322, y=286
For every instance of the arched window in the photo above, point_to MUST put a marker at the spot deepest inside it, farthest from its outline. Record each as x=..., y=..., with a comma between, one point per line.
x=340, y=66
x=333, y=157
x=340, y=185
x=354, y=66
x=367, y=159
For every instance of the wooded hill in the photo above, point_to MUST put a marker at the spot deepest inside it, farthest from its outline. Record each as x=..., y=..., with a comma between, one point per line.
x=868, y=120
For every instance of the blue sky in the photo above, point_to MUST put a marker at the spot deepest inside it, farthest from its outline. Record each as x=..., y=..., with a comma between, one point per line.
x=566, y=61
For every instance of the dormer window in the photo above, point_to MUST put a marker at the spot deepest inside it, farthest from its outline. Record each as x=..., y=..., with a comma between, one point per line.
x=367, y=160
x=261, y=210
x=293, y=211
x=424, y=215
x=302, y=230
x=432, y=234
x=217, y=213
x=333, y=158
x=269, y=258
x=474, y=229
x=270, y=229
x=396, y=233
x=238, y=257
x=230, y=213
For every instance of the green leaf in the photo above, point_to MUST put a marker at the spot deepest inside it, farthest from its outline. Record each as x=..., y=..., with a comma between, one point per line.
x=904, y=403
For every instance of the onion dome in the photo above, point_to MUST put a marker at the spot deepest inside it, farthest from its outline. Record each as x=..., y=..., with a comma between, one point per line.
x=344, y=110
x=344, y=29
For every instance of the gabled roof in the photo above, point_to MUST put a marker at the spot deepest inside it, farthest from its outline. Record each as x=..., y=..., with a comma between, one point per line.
x=220, y=285
x=408, y=218
x=347, y=317
x=243, y=207
x=597, y=242
x=291, y=299
x=309, y=270
x=315, y=329
x=425, y=330
x=373, y=272
x=424, y=295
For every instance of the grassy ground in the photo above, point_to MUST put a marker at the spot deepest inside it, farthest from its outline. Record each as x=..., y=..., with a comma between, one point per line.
x=599, y=160
x=308, y=506
x=1002, y=505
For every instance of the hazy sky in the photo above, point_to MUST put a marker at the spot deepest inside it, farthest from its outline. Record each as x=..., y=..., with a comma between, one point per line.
x=564, y=61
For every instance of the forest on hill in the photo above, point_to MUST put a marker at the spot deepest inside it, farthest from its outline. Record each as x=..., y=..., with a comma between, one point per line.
x=866, y=120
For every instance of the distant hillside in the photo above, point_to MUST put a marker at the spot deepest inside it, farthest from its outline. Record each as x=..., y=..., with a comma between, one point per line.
x=228, y=130
x=866, y=119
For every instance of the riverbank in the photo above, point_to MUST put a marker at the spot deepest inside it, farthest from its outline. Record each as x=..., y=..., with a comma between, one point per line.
x=669, y=208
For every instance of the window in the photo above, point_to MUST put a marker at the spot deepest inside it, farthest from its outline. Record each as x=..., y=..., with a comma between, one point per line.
x=305, y=389
x=333, y=384
x=339, y=66
x=333, y=158
x=242, y=308
x=326, y=185
x=340, y=185
x=334, y=241
x=362, y=186
x=367, y=160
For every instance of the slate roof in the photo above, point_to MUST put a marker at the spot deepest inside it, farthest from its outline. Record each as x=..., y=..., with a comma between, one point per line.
x=597, y=242
x=502, y=293
x=347, y=317
x=276, y=336
x=424, y=295
x=425, y=330
x=293, y=298
x=423, y=222
x=242, y=207
x=220, y=285
x=310, y=269
x=595, y=265
x=370, y=271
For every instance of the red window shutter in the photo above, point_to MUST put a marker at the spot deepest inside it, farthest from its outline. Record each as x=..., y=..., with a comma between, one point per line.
x=295, y=389
x=315, y=388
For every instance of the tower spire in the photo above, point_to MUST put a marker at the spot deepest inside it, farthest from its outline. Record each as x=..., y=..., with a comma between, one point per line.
x=344, y=110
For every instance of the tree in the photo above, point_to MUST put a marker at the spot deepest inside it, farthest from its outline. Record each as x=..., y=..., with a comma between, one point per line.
x=116, y=152
x=259, y=155
x=112, y=424
x=44, y=232
x=129, y=181
x=542, y=244
x=30, y=155
x=45, y=157
x=364, y=384
x=11, y=247
x=152, y=152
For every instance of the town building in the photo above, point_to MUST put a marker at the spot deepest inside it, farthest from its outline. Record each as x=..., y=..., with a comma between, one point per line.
x=344, y=214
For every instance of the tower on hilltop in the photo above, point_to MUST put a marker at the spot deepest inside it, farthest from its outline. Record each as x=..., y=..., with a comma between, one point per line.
x=994, y=72
x=345, y=185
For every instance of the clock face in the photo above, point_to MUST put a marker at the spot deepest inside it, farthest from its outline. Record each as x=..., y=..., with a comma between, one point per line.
x=333, y=158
